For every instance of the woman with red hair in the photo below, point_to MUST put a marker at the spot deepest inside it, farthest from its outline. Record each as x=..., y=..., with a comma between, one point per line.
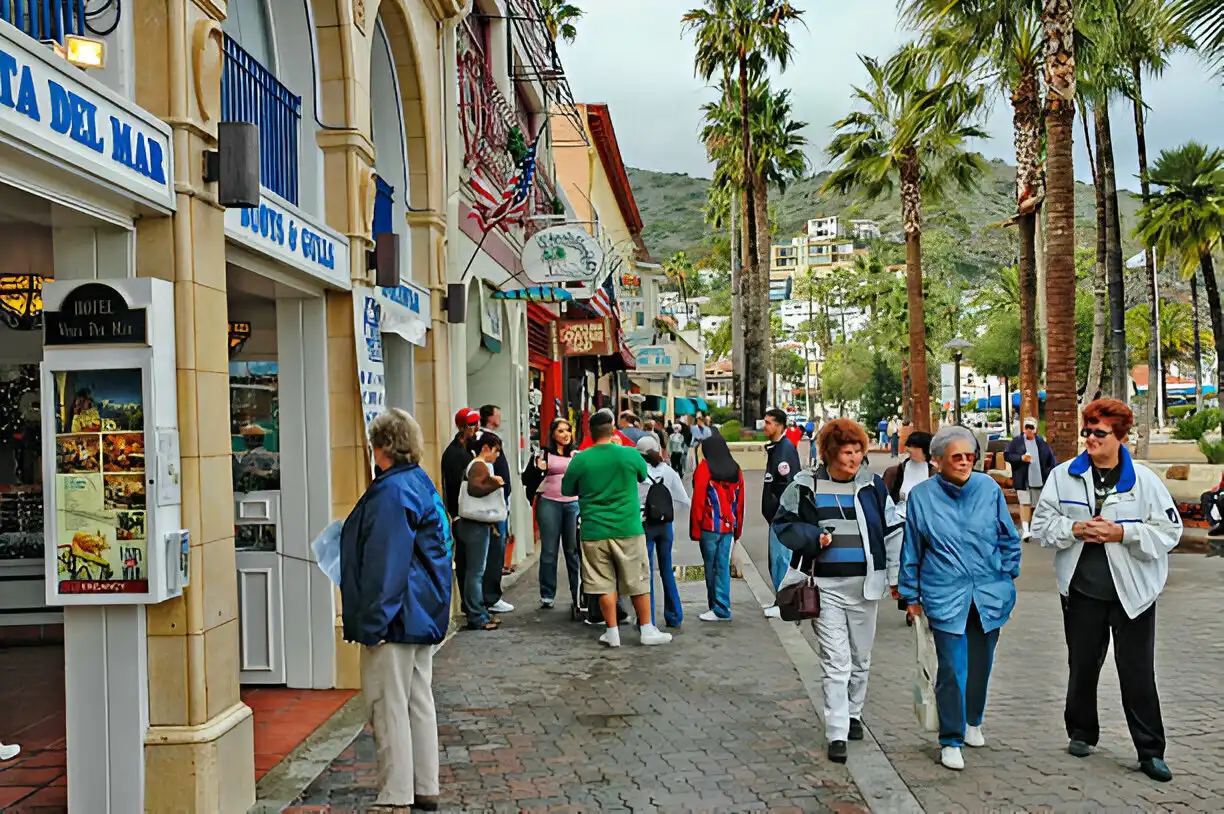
x=1113, y=524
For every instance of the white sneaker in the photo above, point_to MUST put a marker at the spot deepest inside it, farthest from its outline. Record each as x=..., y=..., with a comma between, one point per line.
x=950, y=756
x=544, y=603
x=773, y=612
x=10, y=751
x=611, y=637
x=652, y=635
x=711, y=616
x=502, y=606
x=974, y=737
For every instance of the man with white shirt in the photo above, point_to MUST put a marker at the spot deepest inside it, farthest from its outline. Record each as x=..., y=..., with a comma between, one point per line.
x=1032, y=460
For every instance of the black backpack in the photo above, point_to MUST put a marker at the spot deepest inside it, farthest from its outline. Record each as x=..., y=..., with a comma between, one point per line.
x=658, y=508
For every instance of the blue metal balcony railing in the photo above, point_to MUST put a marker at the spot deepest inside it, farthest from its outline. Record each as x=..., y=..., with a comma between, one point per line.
x=250, y=93
x=45, y=19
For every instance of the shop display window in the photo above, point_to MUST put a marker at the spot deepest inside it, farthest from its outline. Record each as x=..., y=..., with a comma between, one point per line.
x=21, y=489
x=254, y=428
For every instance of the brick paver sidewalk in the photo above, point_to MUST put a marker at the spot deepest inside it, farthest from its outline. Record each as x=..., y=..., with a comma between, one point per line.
x=537, y=716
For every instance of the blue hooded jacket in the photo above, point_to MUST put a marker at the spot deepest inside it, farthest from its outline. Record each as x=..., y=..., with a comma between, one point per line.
x=395, y=562
x=961, y=549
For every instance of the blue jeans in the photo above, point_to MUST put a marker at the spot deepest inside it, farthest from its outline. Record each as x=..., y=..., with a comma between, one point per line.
x=659, y=538
x=472, y=554
x=779, y=559
x=716, y=554
x=883, y=438
x=895, y=443
x=494, y=563
x=558, y=532
x=965, y=661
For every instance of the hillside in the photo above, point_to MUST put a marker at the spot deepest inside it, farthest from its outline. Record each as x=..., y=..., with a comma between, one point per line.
x=671, y=206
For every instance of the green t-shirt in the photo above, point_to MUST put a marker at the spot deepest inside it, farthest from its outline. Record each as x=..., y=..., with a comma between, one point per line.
x=605, y=479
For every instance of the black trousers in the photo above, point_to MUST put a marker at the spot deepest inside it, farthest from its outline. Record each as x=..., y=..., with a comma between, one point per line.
x=1088, y=624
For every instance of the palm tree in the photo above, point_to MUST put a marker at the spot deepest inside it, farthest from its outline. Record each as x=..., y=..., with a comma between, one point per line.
x=560, y=18
x=1179, y=340
x=917, y=115
x=1184, y=220
x=733, y=37
x=1204, y=19
x=1062, y=425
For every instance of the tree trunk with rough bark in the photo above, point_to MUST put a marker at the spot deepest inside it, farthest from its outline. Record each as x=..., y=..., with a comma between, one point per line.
x=1062, y=426
x=1149, y=261
x=1100, y=299
x=1043, y=313
x=911, y=218
x=1030, y=190
x=760, y=195
x=756, y=346
x=1119, y=369
x=737, y=312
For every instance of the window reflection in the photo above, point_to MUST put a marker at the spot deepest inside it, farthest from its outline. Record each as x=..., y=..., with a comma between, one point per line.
x=254, y=426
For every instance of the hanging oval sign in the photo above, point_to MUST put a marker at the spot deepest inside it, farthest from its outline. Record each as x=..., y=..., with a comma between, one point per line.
x=560, y=254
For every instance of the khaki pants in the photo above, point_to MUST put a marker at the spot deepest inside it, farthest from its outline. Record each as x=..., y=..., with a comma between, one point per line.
x=396, y=681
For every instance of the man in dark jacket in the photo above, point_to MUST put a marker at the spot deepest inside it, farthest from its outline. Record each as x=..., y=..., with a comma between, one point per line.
x=456, y=457
x=490, y=420
x=781, y=466
x=1031, y=461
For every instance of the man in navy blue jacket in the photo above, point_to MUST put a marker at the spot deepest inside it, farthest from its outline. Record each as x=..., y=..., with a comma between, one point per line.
x=781, y=466
x=1031, y=461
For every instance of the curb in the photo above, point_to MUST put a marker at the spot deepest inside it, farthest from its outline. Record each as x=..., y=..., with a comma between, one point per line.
x=871, y=770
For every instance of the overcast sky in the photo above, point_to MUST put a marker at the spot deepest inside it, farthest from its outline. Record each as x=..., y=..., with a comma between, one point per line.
x=634, y=56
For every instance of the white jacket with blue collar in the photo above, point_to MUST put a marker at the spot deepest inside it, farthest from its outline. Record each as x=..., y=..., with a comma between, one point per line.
x=1151, y=527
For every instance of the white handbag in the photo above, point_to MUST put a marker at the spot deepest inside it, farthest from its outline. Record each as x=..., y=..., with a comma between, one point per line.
x=925, y=669
x=488, y=509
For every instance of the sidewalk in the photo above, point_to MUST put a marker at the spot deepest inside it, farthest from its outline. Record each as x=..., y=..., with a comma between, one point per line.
x=539, y=717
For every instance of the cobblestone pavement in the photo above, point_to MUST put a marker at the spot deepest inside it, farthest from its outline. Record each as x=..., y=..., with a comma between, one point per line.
x=539, y=717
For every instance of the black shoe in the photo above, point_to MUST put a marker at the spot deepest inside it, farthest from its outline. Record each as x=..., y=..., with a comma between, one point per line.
x=1156, y=769
x=837, y=751
x=1216, y=531
x=856, y=729
x=425, y=803
x=1078, y=748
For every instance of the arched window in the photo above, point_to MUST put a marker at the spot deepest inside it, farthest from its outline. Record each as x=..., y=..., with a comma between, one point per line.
x=250, y=23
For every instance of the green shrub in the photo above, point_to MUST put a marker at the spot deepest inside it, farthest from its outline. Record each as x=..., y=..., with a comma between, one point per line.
x=1179, y=411
x=1213, y=450
x=1196, y=426
x=721, y=415
x=730, y=431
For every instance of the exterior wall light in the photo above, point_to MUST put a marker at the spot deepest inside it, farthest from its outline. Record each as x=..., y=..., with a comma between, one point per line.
x=84, y=52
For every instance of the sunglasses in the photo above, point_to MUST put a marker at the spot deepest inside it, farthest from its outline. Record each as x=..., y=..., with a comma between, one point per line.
x=1088, y=432
x=961, y=457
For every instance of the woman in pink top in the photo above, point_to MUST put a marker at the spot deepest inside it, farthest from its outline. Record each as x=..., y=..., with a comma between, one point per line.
x=557, y=516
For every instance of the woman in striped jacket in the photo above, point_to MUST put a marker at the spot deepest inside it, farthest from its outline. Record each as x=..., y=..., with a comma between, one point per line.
x=716, y=521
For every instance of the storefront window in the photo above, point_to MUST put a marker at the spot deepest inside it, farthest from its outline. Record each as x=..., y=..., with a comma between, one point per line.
x=254, y=430
x=21, y=491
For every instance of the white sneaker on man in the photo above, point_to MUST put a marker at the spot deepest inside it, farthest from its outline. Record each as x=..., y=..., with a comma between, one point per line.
x=10, y=751
x=611, y=637
x=711, y=616
x=773, y=612
x=950, y=756
x=652, y=635
x=501, y=606
x=974, y=737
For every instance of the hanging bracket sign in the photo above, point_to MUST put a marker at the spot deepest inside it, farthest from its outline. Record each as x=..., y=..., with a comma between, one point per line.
x=95, y=314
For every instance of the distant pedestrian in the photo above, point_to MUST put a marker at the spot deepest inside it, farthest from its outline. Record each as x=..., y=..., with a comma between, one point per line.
x=717, y=521
x=958, y=565
x=481, y=509
x=894, y=435
x=1113, y=524
x=882, y=428
x=901, y=478
x=395, y=586
x=781, y=466
x=701, y=431
x=810, y=433
x=843, y=529
x=490, y=421
x=604, y=478
x=794, y=434
x=557, y=517
x=676, y=449
x=1032, y=462
x=660, y=495
x=631, y=427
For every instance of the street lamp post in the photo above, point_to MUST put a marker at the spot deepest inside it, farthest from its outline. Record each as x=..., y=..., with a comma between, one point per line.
x=958, y=346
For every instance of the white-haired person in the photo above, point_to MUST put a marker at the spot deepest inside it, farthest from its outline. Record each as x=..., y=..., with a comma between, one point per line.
x=395, y=583
x=958, y=565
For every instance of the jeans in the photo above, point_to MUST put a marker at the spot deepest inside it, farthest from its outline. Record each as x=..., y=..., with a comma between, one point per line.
x=895, y=443
x=558, y=532
x=659, y=539
x=472, y=556
x=494, y=563
x=779, y=559
x=716, y=554
x=883, y=438
x=965, y=661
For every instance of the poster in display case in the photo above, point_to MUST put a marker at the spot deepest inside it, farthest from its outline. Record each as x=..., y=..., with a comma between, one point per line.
x=101, y=536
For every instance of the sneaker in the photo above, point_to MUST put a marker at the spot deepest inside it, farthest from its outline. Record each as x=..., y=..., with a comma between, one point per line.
x=856, y=729
x=1026, y=536
x=547, y=604
x=974, y=737
x=1216, y=531
x=711, y=616
x=773, y=612
x=1078, y=748
x=10, y=751
x=950, y=757
x=610, y=637
x=652, y=635
x=594, y=622
x=1156, y=769
x=837, y=751
x=501, y=606
x=423, y=803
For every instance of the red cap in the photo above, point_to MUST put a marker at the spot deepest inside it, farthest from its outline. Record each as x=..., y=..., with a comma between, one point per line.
x=466, y=417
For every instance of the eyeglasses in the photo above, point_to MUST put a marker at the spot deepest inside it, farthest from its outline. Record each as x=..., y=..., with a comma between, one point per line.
x=1088, y=431
x=963, y=457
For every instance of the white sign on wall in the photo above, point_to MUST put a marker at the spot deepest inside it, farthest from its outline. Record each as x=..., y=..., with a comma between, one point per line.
x=405, y=311
x=564, y=256
x=654, y=359
x=75, y=121
x=371, y=372
x=286, y=234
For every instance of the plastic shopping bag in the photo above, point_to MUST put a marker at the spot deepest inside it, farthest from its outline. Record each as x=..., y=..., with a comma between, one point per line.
x=326, y=548
x=927, y=665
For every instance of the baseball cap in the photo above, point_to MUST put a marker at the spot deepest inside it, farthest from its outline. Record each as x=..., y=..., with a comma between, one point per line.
x=1030, y=422
x=466, y=417
x=648, y=443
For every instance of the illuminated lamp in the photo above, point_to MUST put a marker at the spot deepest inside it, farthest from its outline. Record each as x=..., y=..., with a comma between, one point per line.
x=84, y=52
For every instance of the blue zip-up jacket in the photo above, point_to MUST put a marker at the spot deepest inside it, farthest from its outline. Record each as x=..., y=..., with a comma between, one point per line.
x=395, y=562
x=960, y=548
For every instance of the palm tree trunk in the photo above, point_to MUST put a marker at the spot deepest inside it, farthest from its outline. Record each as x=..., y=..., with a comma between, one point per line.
x=1043, y=312
x=1213, y=306
x=1027, y=277
x=760, y=194
x=737, y=311
x=911, y=217
x=1149, y=262
x=756, y=348
x=1198, y=345
x=1062, y=426
x=1099, y=290
x=1119, y=369
x=1026, y=124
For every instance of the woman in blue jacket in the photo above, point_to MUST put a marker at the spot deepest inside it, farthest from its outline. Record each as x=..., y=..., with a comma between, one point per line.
x=958, y=563
x=395, y=582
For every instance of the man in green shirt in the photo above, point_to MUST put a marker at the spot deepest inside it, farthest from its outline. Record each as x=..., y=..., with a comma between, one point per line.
x=605, y=478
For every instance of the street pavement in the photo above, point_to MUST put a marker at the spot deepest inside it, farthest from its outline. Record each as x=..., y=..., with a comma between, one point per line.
x=538, y=717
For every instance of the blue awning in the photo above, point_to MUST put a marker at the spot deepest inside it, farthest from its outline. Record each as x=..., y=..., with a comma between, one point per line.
x=685, y=406
x=1016, y=398
x=701, y=405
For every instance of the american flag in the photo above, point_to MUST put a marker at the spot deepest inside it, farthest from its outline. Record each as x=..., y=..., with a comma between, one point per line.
x=494, y=206
x=604, y=304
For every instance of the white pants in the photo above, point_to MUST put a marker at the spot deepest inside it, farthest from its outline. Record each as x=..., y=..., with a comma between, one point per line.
x=396, y=680
x=846, y=631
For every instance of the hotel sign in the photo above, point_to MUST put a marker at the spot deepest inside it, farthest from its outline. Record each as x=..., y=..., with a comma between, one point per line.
x=586, y=337
x=284, y=233
x=70, y=119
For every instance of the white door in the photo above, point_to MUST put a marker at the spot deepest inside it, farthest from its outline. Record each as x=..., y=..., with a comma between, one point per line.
x=261, y=622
